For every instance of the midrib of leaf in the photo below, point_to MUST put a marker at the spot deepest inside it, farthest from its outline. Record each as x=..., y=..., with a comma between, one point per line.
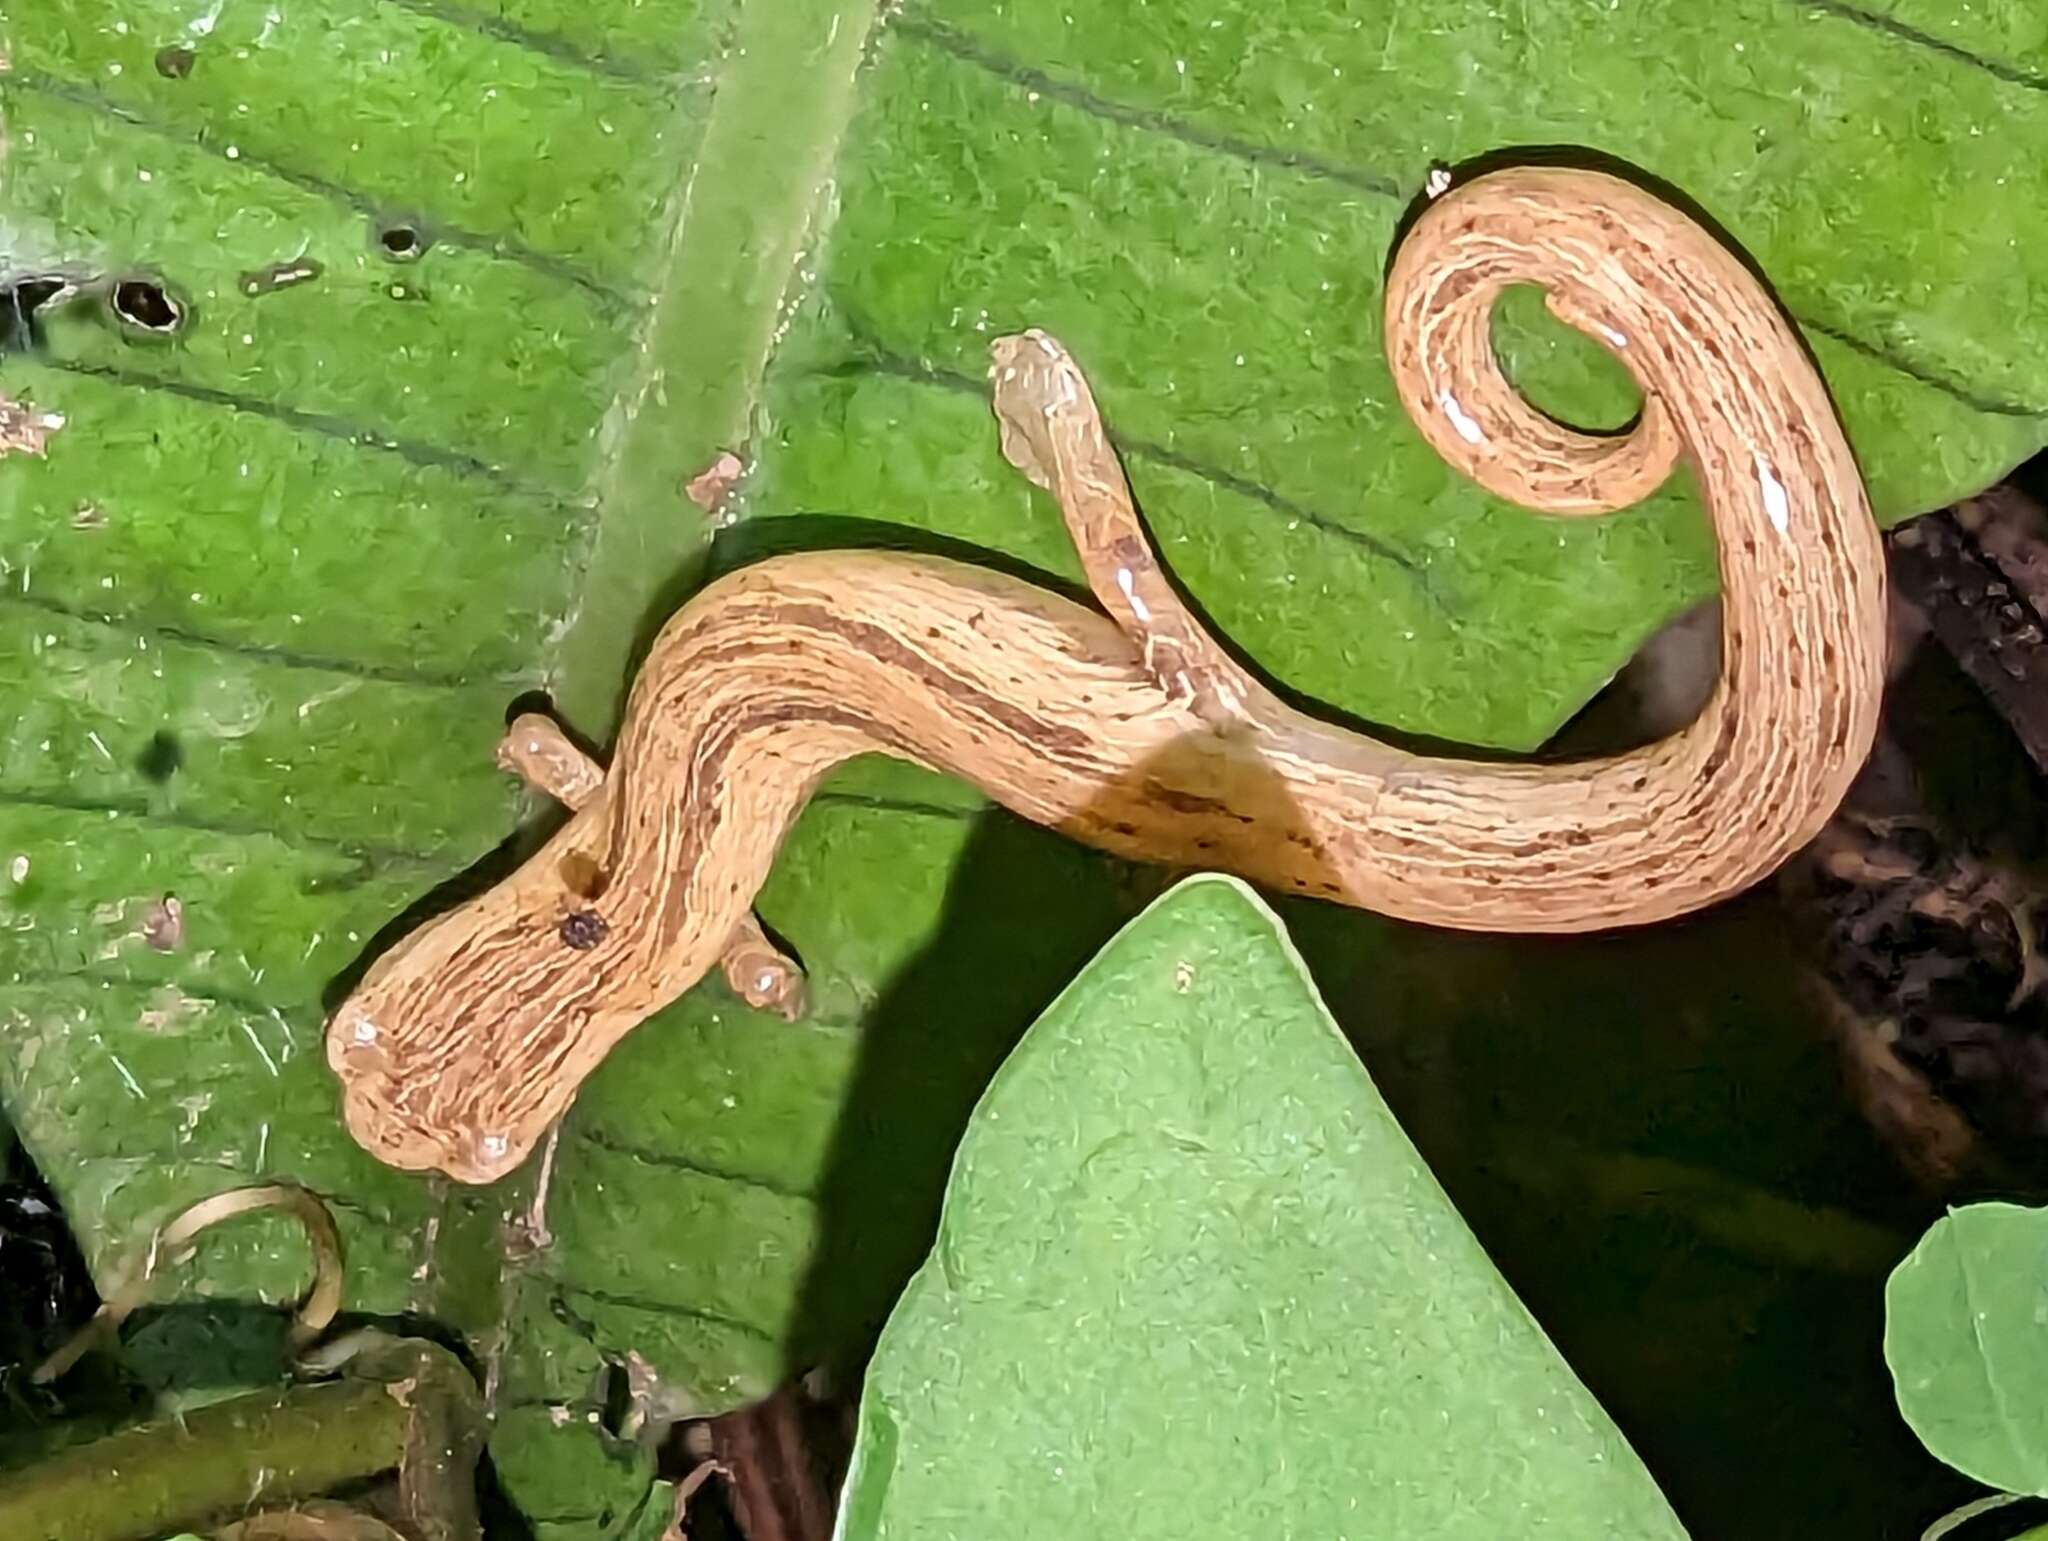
x=461, y=1240
x=784, y=95
x=2012, y=1428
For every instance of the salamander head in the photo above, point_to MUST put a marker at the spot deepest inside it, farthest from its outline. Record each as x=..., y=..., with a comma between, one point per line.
x=467, y=1039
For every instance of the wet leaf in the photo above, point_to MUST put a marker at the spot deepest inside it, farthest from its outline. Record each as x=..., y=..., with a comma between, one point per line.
x=461, y=301
x=1191, y=1273
x=1966, y=1336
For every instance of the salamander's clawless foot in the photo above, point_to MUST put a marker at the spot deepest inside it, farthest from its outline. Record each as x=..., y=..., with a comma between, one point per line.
x=1130, y=728
x=539, y=753
x=536, y=750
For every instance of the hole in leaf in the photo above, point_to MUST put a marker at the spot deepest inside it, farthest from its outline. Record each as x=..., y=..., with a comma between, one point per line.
x=401, y=240
x=144, y=306
x=20, y=301
x=175, y=62
x=28, y=295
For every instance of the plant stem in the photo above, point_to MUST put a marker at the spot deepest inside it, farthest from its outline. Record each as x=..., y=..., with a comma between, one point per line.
x=148, y=1481
x=417, y=1415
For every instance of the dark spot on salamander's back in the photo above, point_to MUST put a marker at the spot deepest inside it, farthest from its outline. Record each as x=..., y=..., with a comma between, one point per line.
x=583, y=929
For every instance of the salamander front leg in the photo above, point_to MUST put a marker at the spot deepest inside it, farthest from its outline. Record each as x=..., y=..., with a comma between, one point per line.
x=537, y=751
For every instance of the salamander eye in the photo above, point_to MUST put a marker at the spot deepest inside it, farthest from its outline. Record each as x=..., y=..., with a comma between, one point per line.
x=581, y=875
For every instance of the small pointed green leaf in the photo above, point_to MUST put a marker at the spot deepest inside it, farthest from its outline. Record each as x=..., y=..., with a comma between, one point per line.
x=1966, y=1336
x=1192, y=1274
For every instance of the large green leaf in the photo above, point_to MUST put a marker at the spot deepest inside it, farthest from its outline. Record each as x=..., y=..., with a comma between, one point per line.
x=268, y=594
x=1966, y=1336
x=1191, y=1273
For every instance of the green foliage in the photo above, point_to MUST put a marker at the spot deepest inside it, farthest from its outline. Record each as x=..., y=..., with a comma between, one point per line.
x=1966, y=1336
x=266, y=599
x=1191, y=1273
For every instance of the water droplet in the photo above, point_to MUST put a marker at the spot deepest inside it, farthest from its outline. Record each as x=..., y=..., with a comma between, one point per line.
x=226, y=706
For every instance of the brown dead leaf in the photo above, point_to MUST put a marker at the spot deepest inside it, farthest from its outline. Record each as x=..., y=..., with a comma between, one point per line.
x=25, y=429
x=708, y=488
x=163, y=924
